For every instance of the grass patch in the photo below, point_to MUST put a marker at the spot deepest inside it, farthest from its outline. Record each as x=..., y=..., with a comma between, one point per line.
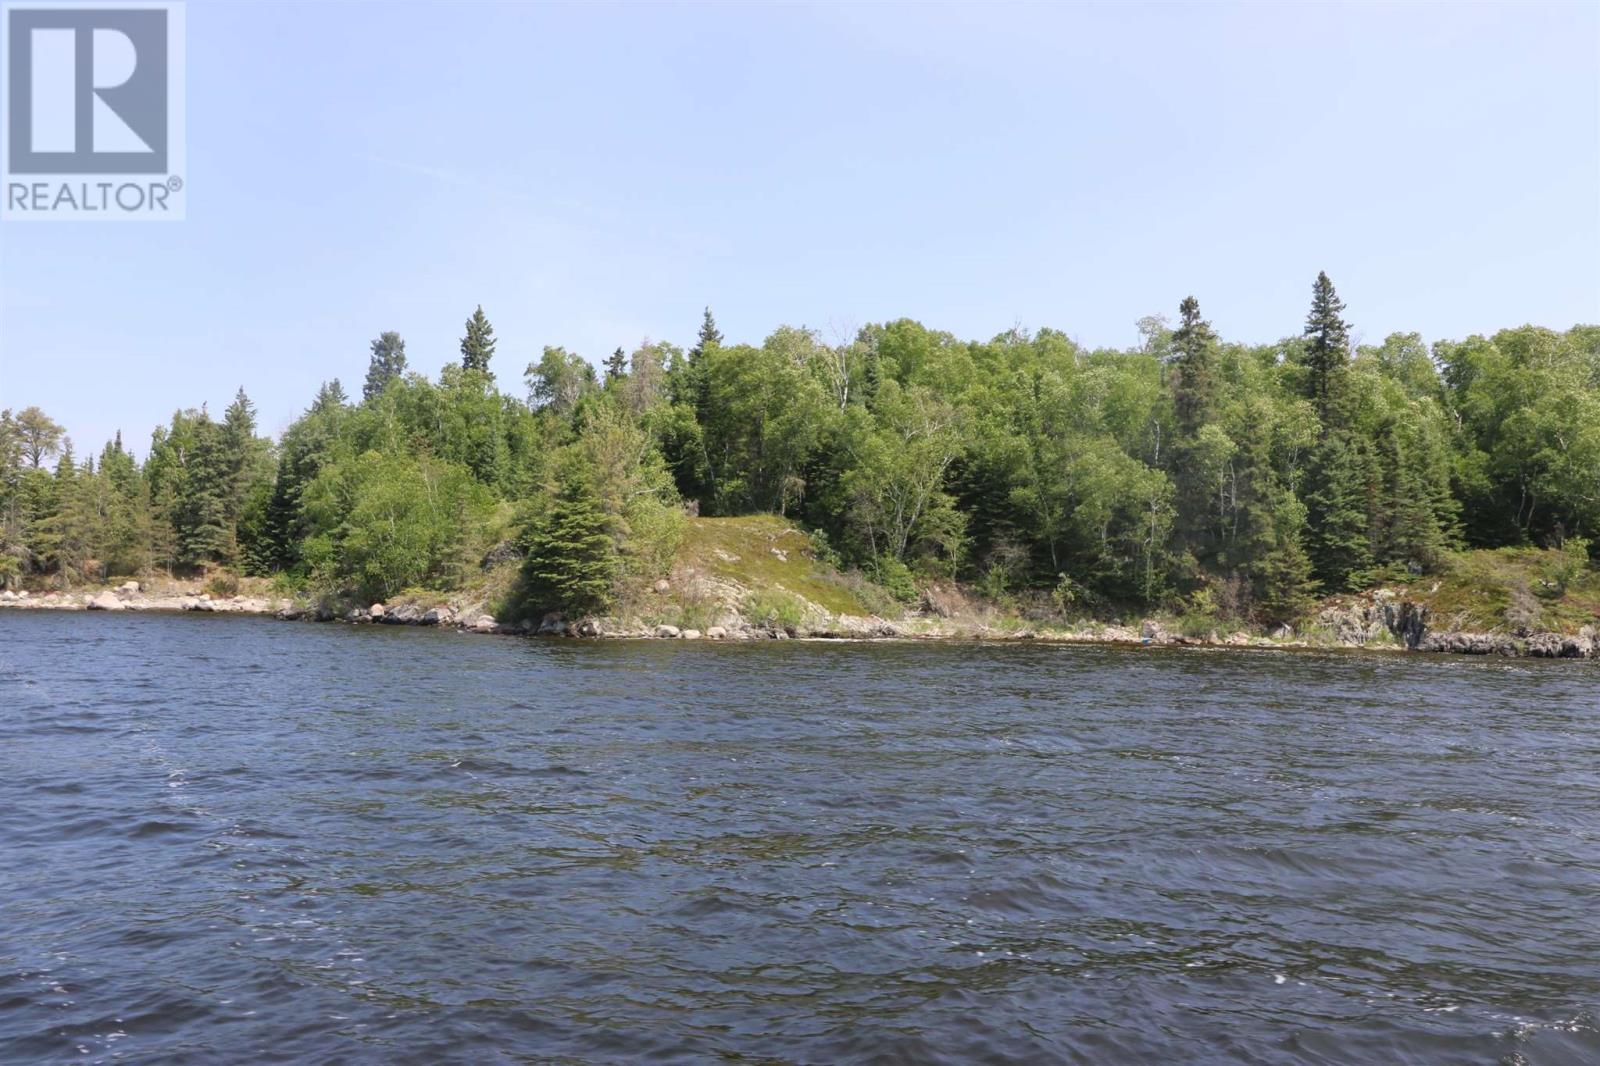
x=765, y=553
x=1508, y=588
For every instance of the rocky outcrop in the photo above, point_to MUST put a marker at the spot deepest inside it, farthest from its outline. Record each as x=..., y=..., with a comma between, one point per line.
x=406, y=614
x=1584, y=645
x=1376, y=618
x=106, y=601
x=1469, y=643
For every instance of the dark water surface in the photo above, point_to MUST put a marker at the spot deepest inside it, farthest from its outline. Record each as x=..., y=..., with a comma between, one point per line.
x=227, y=840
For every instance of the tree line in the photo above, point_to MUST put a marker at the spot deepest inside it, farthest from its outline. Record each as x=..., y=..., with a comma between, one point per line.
x=1187, y=472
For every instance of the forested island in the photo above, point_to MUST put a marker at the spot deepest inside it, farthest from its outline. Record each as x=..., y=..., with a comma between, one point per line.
x=900, y=473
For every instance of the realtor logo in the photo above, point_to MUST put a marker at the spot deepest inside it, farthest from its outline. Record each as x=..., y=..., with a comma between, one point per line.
x=93, y=111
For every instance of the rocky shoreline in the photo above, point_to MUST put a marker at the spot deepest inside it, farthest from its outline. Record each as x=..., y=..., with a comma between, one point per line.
x=1378, y=621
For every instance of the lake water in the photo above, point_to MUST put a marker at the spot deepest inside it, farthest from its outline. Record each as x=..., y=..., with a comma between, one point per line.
x=233, y=839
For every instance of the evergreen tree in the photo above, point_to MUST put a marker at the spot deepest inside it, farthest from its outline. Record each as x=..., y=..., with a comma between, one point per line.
x=1194, y=353
x=330, y=396
x=388, y=362
x=1336, y=502
x=37, y=435
x=241, y=452
x=616, y=365
x=477, y=347
x=708, y=338
x=205, y=534
x=1328, y=346
x=572, y=563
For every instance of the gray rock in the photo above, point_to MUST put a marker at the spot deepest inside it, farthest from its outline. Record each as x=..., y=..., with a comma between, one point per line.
x=375, y=612
x=590, y=627
x=663, y=585
x=552, y=625
x=106, y=601
x=1561, y=646
x=130, y=587
x=483, y=623
x=405, y=615
x=438, y=616
x=717, y=633
x=666, y=632
x=1469, y=643
x=291, y=612
x=691, y=634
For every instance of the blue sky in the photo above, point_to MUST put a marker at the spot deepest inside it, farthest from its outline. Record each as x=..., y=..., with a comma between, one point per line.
x=596, y=174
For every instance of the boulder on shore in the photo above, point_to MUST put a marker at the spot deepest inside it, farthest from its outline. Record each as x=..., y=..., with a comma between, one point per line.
x=437, y=616
x=130, y=587
x=666, y=632
x=716, y=633
x=375, y=612
x=106, y=601
x=405, y=615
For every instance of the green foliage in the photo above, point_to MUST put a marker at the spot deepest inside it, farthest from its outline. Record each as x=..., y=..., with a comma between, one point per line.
x=573, y=562
x=379, y=523
x=1239, y=480
x=222, y=585
x=477, y=346
x=1328, y=345
x=1563, y=566
x=388, y=363
x=774, y=609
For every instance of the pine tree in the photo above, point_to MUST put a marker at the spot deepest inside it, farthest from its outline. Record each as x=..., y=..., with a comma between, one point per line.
x=617, y=365
x=572, y=564
x=708, y=338
x=330, y=396
x=1328, y=350
x=1285, y=585
x=477, y=347
x=1336, y=502
x=205, y=535
x=240, y=451
x=1194, y=350
x=388, y=362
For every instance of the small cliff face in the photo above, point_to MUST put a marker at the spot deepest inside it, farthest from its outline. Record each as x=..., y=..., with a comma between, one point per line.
x=1388, y=616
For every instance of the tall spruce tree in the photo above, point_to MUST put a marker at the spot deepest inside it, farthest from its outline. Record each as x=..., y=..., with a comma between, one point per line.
x=477, y=347
x=388, y=362
x=709, y=336
x=1328, y=347
x=1340, y=541
x=1193, y=347
x=616, y=365
x=572, y=563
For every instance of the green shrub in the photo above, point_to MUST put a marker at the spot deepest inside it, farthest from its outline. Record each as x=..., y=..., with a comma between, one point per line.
x=222, y=585
x=896, y=577
x=774, y=609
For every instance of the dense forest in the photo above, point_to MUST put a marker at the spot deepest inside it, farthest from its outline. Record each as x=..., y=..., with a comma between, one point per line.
x=1187, y=473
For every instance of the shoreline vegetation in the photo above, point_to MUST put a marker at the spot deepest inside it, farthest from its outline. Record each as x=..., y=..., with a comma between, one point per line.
x=1438, y=615
x=897, y=483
